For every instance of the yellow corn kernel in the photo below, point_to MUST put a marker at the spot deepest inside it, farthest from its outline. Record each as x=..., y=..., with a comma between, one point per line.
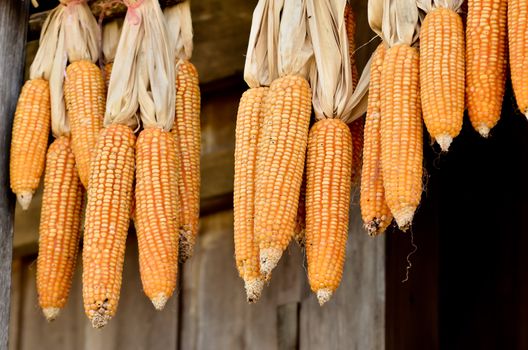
x=350, y=23
x=401, y=132
x=249, y=120
x=485, y=62
x=442, y=74
x=157, y=213
x=356, y=130
x=106, y=222
x=280, y=165
x=107, y=73
x=299, y=232
x=186, y=131
x=60, y=228
x=30, y=139
x=84, y=94
x=374, y=210
x=518, y=44
x=329, y=166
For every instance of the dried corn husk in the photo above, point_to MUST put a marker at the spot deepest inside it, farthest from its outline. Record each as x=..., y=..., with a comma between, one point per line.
x=180, y=33
x=82, y=32
x=428, y=5
x=111, y=33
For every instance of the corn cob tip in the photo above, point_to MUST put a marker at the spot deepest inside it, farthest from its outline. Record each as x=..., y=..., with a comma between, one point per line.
x=100, y=318
x=159, y=301
x=253, y=289
x=404, y=217
x=51, y=313
x=444, y=141
x=24, y=199
x=375, y=226
x=324, y=295
x=269, y=258
x=483, y=130
x=186, y=245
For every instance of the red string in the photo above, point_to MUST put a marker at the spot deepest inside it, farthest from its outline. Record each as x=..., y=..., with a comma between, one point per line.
x=132, y=16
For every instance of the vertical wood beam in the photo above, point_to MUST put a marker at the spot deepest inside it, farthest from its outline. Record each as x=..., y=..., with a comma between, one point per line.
x=13, y=28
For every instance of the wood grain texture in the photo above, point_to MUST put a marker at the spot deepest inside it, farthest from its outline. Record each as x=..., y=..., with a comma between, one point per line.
x=13, y=27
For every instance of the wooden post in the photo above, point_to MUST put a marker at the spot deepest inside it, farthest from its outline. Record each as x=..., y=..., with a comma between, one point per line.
x=13, y=28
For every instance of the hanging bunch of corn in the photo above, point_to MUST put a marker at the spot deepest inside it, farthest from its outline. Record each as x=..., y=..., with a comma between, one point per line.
x=186, y=128
x=283, y=138
x=33, y=115
x=84, y=89
x=486, y=40
x=157, y=164
x=442, y=69
x=112, y=176
x=260, y=70
x=329, y=158
x=518, y=45
x=60, y=220
x=111, y=32
x=401, y=121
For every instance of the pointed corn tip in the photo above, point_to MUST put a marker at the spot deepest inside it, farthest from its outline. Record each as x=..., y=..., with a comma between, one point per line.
x=24, y=199
x=99, y=320
x=254, y=289
x=159, y=301
x=269, y=258
x=324, y=295
x=444, y=141
x=51, y=313
x=484, y=131
x=404, y=217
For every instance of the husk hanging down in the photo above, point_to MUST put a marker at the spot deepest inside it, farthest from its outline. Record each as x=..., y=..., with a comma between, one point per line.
x=82, y=32
x=111, y=33
x=180, y=32
x=261, y=66
x=428, y=5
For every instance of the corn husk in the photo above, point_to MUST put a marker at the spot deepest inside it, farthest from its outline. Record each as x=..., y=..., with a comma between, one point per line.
x=111, y=33
x=331, y=76
x=429, y=5
x=400, y=22
x=82, y=32
x=261, y=66
x=180, y=31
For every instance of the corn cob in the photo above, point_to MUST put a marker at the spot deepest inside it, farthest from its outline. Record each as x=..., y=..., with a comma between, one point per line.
x=157, y=213
x=350, y=23
x=30, y=139
x=249, y=120
x=401, y=132
x=186, y=131
x=280, y=164
x=107, y=220
x=374, y=210
x=442, y=74
x=299, y=233
x=60, y=225
x=518, y=44
x=84, y=94
x=485, y=62
x=356, y=130
x=329, y=165
x=107, y=73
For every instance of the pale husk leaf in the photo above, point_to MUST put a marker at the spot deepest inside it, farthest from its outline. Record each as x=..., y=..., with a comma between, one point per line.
x=400, y=22
x=155, y=80
x=261, y=66
x=375, y=16
x=59, y=120
x=82, y=33
x=428, y=5
x=122, y=99
x=111, y=33
x=295, y=47
x=359, y=98
x=43, y=62
x=180, y=30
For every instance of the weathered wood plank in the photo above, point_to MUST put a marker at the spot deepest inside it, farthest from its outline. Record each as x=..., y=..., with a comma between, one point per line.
x=13, y=28
x=16, y=304
x=355, y=317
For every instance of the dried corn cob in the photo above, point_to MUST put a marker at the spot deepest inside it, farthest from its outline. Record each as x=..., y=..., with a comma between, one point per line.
x=356, y=130
x=485, y=62
x=442, y=74
x=249, y=120
x=299, y=232
x=84, y=94
x=107, y=220
x=401, y=132
x=518, y=44
x=30, y=139
x=350, y=22
x=374, y=210
x=186, y=130
x=60, y=225
x=157, y=213
x=329, y=165
x=280, y=164
x=107, y=73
